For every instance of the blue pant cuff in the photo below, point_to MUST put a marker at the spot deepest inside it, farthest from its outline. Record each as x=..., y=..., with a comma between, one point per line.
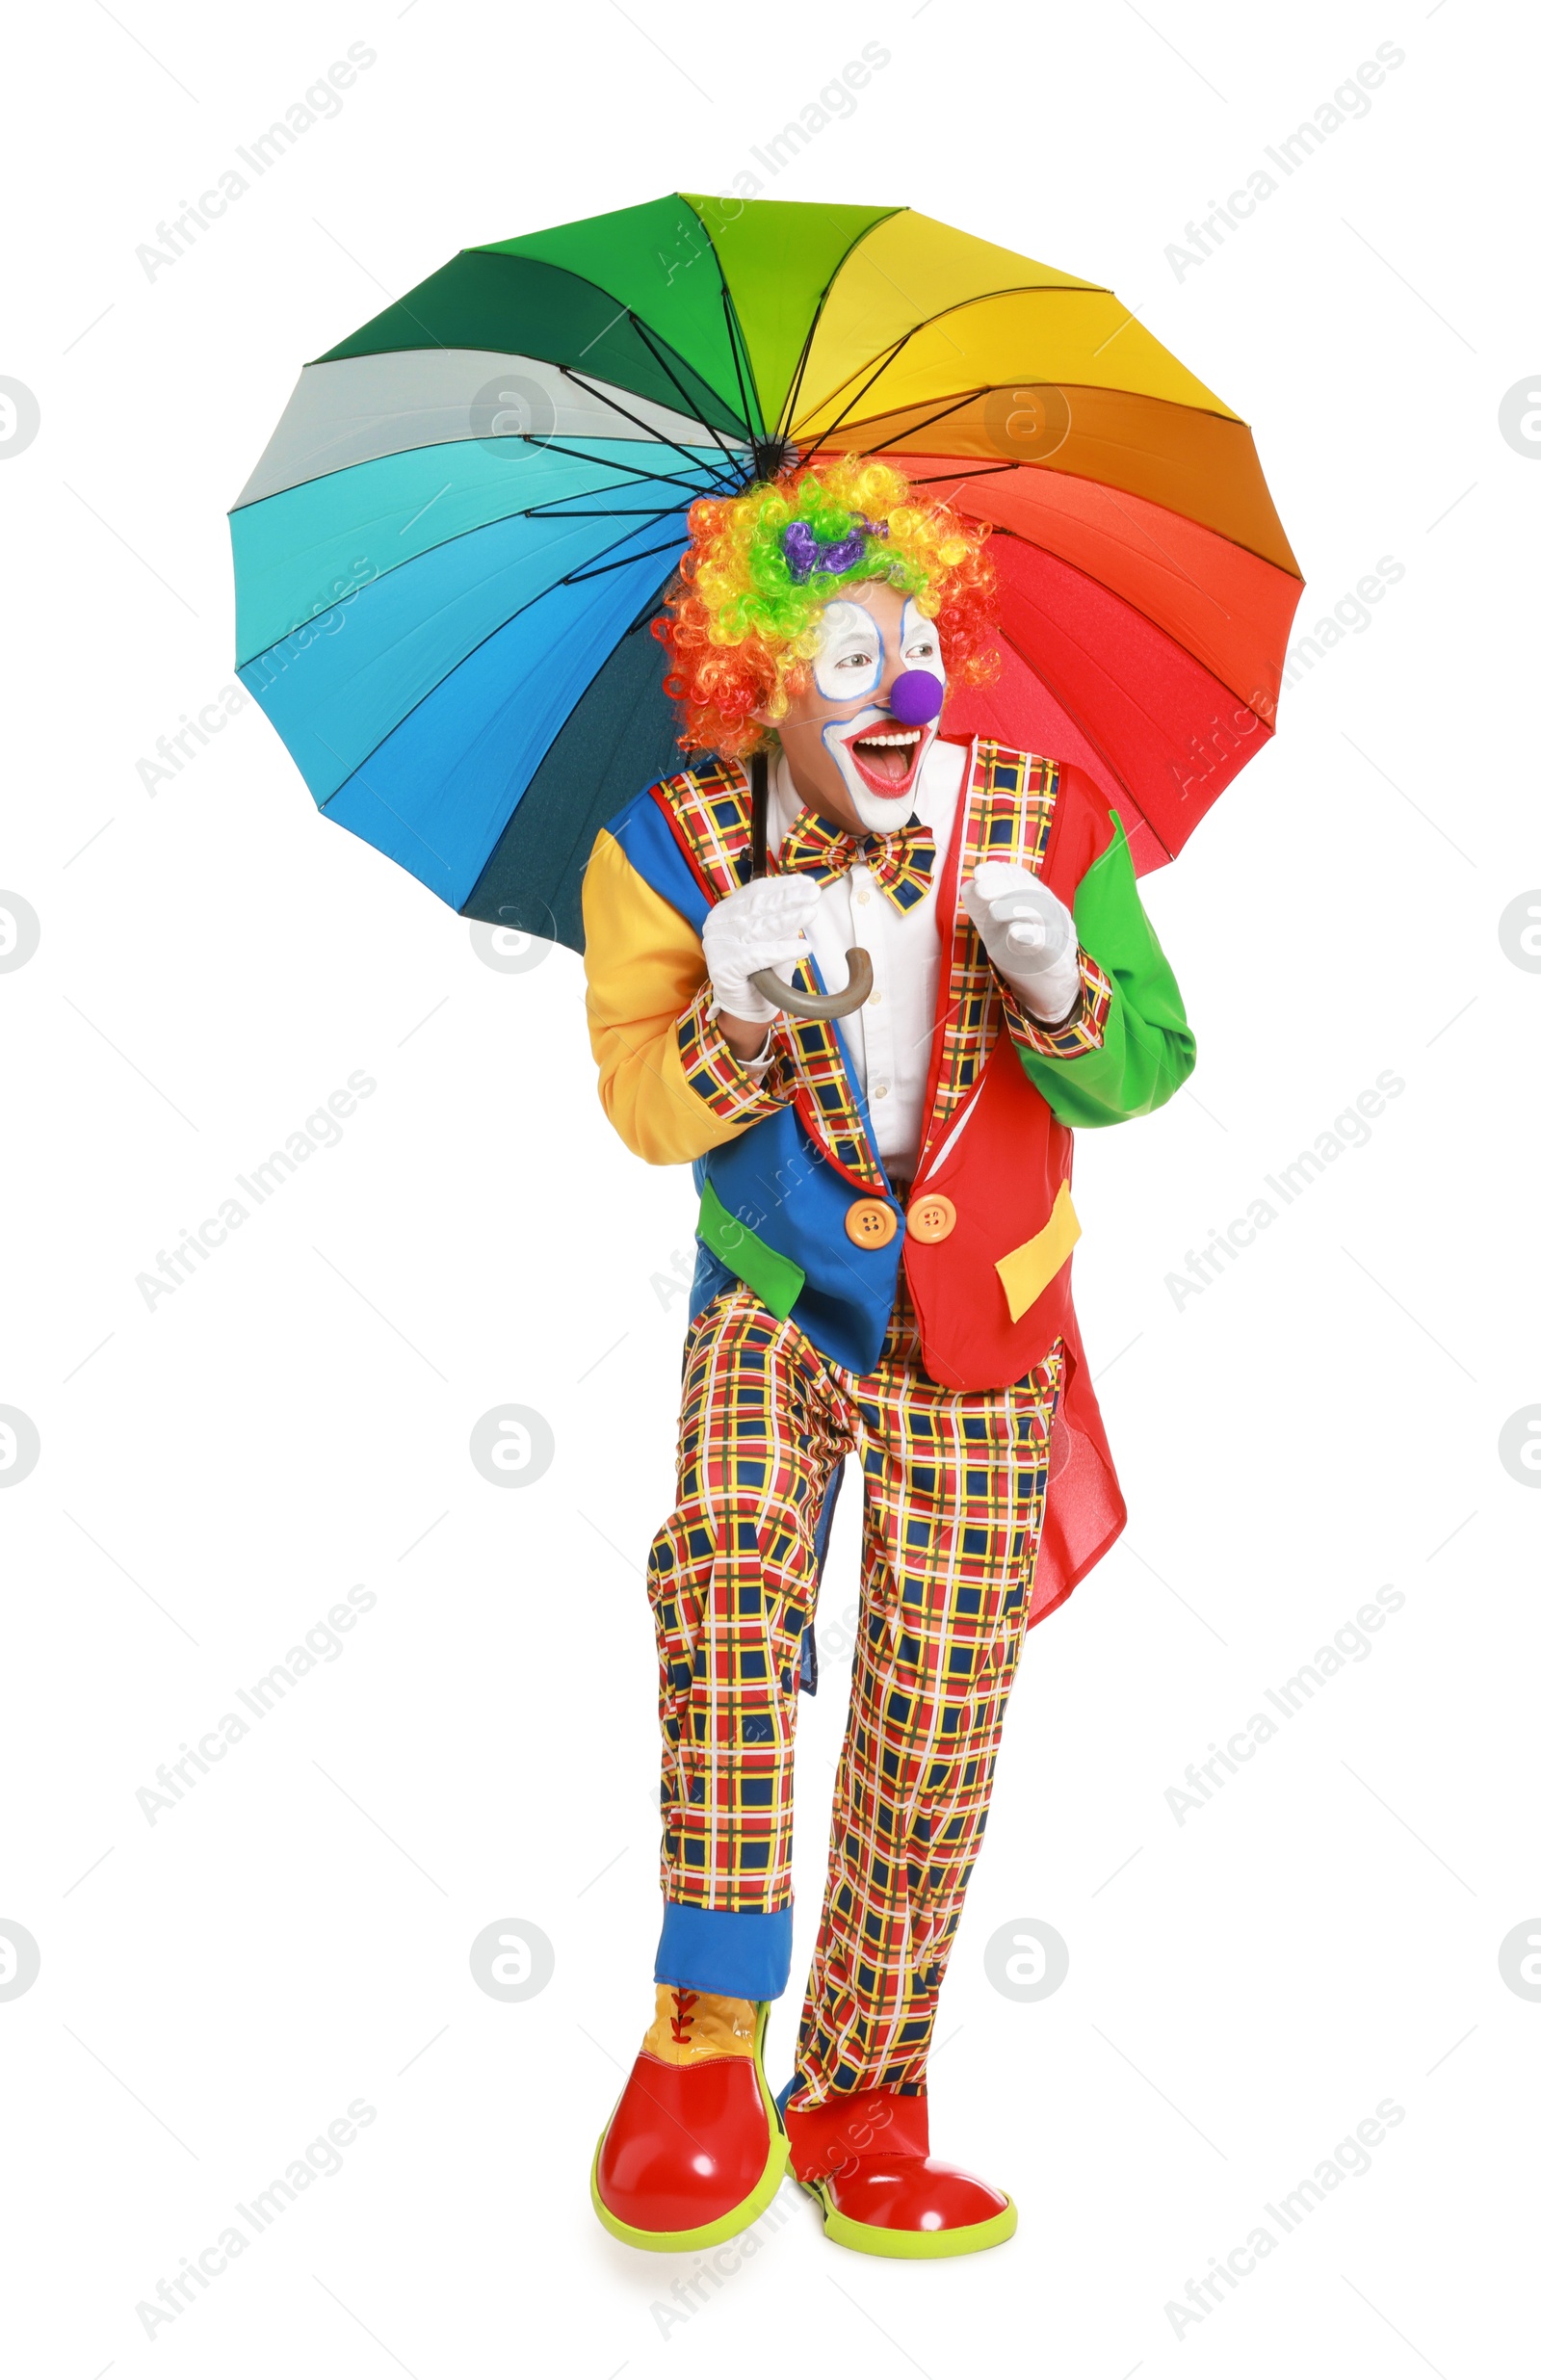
x=744, y=1953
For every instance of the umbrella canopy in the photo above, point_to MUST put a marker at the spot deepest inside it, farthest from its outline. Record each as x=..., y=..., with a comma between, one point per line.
x=448, y=556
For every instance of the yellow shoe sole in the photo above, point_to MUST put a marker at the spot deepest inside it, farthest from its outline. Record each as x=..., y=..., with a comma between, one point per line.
x=876, y=2239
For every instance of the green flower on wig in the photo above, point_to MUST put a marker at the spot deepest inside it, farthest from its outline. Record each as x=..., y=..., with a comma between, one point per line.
x=744, y=620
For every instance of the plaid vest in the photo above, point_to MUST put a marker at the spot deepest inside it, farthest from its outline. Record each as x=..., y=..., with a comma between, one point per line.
x=985, y=1231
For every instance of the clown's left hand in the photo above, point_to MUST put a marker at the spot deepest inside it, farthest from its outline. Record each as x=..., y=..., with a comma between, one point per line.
x=1030, y=935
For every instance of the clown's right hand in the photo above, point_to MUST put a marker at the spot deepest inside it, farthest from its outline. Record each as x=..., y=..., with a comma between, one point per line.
x=759, y=926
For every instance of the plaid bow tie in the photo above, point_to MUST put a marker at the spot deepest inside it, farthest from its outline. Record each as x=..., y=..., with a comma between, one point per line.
x=902, y=862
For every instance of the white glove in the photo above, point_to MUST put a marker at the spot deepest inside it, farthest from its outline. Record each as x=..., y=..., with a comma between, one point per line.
x=759, y=926
x=1030, y=934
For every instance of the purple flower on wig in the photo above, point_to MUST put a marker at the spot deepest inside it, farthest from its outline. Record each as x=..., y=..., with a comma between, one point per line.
x=841, y=557
x=805, y=555
x=800, y=548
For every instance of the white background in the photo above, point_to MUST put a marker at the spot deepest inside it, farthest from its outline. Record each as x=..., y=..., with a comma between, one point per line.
x=1243, y=1988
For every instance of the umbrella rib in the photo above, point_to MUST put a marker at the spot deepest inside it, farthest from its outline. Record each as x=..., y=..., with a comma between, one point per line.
x=656, y=435
x=548, y=446
x=661, y=360
x=611, y=513
x=749, y=414
x=819, y=437
x=650, y=612
x=677, y=480
x=985, y=471
x=916, y=428
x=785, y=418
x=576, y=578
x=642, y=521
x=642, y=332
x=735, y=341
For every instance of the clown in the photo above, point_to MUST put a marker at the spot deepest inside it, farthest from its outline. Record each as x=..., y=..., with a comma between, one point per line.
x=884, y=1240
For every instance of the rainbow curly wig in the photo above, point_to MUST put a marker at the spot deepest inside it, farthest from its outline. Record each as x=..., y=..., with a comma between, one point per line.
x=742, y=625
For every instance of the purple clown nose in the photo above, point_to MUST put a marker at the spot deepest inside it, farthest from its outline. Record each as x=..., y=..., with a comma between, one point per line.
x=915, y=696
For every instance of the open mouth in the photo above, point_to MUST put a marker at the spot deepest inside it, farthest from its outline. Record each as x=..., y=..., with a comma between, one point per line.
x=887, y=756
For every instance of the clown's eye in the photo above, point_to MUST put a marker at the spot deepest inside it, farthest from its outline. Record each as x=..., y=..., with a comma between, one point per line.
x=857, y=659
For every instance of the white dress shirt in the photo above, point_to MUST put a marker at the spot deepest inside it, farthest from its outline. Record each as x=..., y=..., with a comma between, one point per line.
x=889, y=1036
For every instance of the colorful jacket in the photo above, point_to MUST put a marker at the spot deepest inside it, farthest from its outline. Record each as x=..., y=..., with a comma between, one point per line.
x=795, y=1199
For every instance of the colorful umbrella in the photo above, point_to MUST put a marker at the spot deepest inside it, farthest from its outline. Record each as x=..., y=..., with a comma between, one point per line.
x=449, y=554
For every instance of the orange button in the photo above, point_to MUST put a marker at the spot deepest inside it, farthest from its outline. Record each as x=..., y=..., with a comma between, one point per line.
x=931, y=1218
x=870, y=1222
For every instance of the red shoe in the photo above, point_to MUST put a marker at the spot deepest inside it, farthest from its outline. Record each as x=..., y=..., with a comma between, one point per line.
x=695, y=2148
x=865, y=2156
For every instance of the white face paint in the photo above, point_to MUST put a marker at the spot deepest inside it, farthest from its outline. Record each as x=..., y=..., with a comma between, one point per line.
x=920, y=645
x=849, y=659
x=851, y=662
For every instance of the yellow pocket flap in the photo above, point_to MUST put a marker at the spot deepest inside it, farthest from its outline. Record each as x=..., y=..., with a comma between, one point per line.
x=1026, y=1272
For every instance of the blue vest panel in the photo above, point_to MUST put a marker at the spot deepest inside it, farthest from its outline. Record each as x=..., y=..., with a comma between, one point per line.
x=774, y=1177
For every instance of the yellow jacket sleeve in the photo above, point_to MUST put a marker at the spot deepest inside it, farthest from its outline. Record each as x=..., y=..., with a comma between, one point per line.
x=647, y=979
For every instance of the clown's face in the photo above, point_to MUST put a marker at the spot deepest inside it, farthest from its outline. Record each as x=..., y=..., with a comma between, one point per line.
x=851, y=760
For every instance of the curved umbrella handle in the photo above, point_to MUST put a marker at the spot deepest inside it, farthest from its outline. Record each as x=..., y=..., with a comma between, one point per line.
x=859, y=968
x=765, y=981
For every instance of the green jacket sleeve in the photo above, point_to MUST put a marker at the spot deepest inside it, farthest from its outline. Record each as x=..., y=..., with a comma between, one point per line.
x=1143, y=1051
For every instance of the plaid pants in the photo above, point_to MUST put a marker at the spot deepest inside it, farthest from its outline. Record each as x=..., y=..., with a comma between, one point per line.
x=954, y=1485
